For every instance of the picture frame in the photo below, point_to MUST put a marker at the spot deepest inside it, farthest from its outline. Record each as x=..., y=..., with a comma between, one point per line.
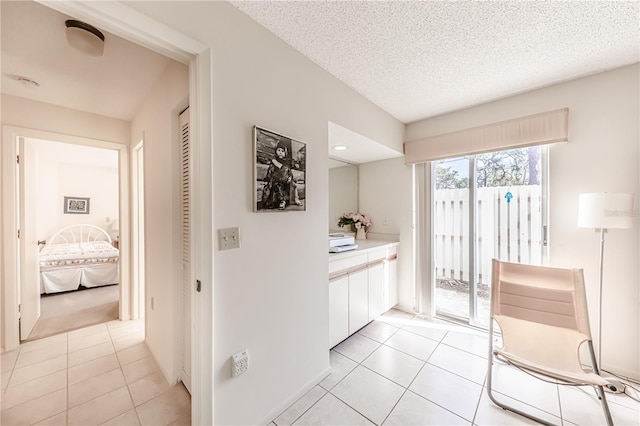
x=280, y=172
x=76, y=205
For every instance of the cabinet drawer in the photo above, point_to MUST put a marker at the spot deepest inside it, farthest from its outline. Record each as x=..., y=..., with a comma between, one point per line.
x=382, y=254
x=349, y=262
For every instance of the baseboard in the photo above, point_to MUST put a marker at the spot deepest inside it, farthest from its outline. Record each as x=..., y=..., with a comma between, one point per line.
x=296, y=396
x=405, y=309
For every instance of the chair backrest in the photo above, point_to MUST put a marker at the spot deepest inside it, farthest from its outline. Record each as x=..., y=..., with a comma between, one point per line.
x=551, y=296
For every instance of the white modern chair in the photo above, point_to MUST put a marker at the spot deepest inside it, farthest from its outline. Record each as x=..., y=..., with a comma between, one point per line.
x=543, y=320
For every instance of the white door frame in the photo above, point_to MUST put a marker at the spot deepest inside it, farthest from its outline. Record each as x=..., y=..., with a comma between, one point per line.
x=10, y=135
x=119, y=19
x=137, y=233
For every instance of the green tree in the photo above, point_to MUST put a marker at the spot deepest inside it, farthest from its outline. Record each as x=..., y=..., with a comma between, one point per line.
x=502, y=168
x=448, y=179
x=508, y=168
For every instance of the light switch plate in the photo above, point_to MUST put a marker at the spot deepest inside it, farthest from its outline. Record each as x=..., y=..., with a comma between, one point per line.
x=229, y=238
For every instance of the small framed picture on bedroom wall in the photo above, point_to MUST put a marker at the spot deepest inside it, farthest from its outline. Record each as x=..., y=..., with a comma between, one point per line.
x=280, y=173
x=76, y=205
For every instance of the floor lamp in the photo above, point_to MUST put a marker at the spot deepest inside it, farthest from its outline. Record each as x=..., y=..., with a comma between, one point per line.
x=604, y=211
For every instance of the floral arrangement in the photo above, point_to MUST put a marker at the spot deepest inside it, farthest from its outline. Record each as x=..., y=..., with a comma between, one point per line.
x=355, y=220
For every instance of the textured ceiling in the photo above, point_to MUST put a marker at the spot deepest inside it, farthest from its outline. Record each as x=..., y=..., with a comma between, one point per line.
x=417, y=59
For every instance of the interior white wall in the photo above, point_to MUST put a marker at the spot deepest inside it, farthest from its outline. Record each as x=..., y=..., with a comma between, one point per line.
x=602, y=156
x=386, y=196
x=270, y=296
x=156, y=124
x=343, y=194
x=60, y=175
x=22, y=112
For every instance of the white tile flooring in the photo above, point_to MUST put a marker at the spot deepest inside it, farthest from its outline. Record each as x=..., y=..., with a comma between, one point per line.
x=400, y=370
x=102, y=374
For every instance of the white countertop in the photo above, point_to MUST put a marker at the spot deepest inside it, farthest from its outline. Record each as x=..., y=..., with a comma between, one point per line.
x=364, y=246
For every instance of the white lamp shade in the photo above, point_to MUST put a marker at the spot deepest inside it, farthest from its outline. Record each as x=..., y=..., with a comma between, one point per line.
x=605, y=210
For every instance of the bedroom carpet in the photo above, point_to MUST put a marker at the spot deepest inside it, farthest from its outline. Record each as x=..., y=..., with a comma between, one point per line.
x=64, y=312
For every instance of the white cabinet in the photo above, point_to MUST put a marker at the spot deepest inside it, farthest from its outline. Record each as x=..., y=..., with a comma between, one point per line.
x=362, y=286
x=338, y=310
x=390, y=283
x=358, y=300
x=376, y=291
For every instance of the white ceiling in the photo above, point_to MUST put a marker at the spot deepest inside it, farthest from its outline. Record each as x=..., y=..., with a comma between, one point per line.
x=417, y=59
x=34, y=46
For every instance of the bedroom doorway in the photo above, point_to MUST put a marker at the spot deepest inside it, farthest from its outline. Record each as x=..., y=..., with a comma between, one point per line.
x=26, y=291
x=86, y=292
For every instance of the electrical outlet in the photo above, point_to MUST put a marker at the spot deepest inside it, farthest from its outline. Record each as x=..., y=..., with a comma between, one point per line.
x=229, y=238
x=239, y=363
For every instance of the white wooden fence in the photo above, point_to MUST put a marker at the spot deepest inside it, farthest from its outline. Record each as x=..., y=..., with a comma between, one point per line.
x=509, y=231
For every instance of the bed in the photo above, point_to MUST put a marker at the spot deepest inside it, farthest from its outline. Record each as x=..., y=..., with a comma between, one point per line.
x=78, y=255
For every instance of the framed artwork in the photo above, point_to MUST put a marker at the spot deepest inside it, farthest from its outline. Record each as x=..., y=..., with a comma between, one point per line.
x=76, y=205
x=280, y=172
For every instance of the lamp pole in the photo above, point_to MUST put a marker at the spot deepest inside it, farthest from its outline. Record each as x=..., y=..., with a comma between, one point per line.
x=603, y=211
x=602, y=232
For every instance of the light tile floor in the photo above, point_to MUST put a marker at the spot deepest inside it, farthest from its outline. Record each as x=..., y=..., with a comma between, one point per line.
x=400, y=370
x=103, y=374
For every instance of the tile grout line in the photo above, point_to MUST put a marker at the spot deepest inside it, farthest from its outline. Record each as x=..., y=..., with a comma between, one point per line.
x=126, y=383
x=361, y=364
x=13, y=368
x=438, y=344
x=305, y=411
x=66, y=341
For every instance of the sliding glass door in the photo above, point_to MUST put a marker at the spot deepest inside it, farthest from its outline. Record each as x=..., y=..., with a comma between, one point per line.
x=484, y=206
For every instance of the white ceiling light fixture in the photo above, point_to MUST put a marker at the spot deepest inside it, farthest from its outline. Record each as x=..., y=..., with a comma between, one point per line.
x=85, y=38
x=340, y=148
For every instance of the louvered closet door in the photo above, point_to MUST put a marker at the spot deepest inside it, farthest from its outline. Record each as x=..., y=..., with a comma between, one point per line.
x=185, y=192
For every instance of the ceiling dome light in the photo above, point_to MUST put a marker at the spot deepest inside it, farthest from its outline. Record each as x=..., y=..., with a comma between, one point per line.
x=340, y=148
x=85, y=38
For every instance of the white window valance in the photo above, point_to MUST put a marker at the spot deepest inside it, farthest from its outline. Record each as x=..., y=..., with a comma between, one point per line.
x=538, y=129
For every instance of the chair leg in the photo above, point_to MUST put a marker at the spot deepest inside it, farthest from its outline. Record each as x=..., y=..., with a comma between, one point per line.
x=490, y=388
x=605, y=406
x=600, y=389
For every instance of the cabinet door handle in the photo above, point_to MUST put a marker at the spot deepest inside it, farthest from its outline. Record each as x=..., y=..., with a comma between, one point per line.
x=198, y=286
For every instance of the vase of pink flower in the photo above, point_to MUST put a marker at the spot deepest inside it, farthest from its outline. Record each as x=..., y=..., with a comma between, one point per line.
x=358, y=222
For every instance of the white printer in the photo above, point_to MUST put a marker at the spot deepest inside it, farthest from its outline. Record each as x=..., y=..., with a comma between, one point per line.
x=340, y=242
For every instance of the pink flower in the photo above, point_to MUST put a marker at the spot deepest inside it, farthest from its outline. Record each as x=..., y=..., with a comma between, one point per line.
x=355, y=220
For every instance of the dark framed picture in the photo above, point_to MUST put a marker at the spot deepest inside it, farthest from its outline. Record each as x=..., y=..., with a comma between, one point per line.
x=280, y=172
x=76, y=205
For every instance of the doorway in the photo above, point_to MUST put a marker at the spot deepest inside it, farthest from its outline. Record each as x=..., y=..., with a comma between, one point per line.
x=70, y=297
x=15, y=252
x=485, y=206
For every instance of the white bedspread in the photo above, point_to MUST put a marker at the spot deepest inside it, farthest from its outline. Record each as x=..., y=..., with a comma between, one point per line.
x=78, y=254
x=65, y=267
